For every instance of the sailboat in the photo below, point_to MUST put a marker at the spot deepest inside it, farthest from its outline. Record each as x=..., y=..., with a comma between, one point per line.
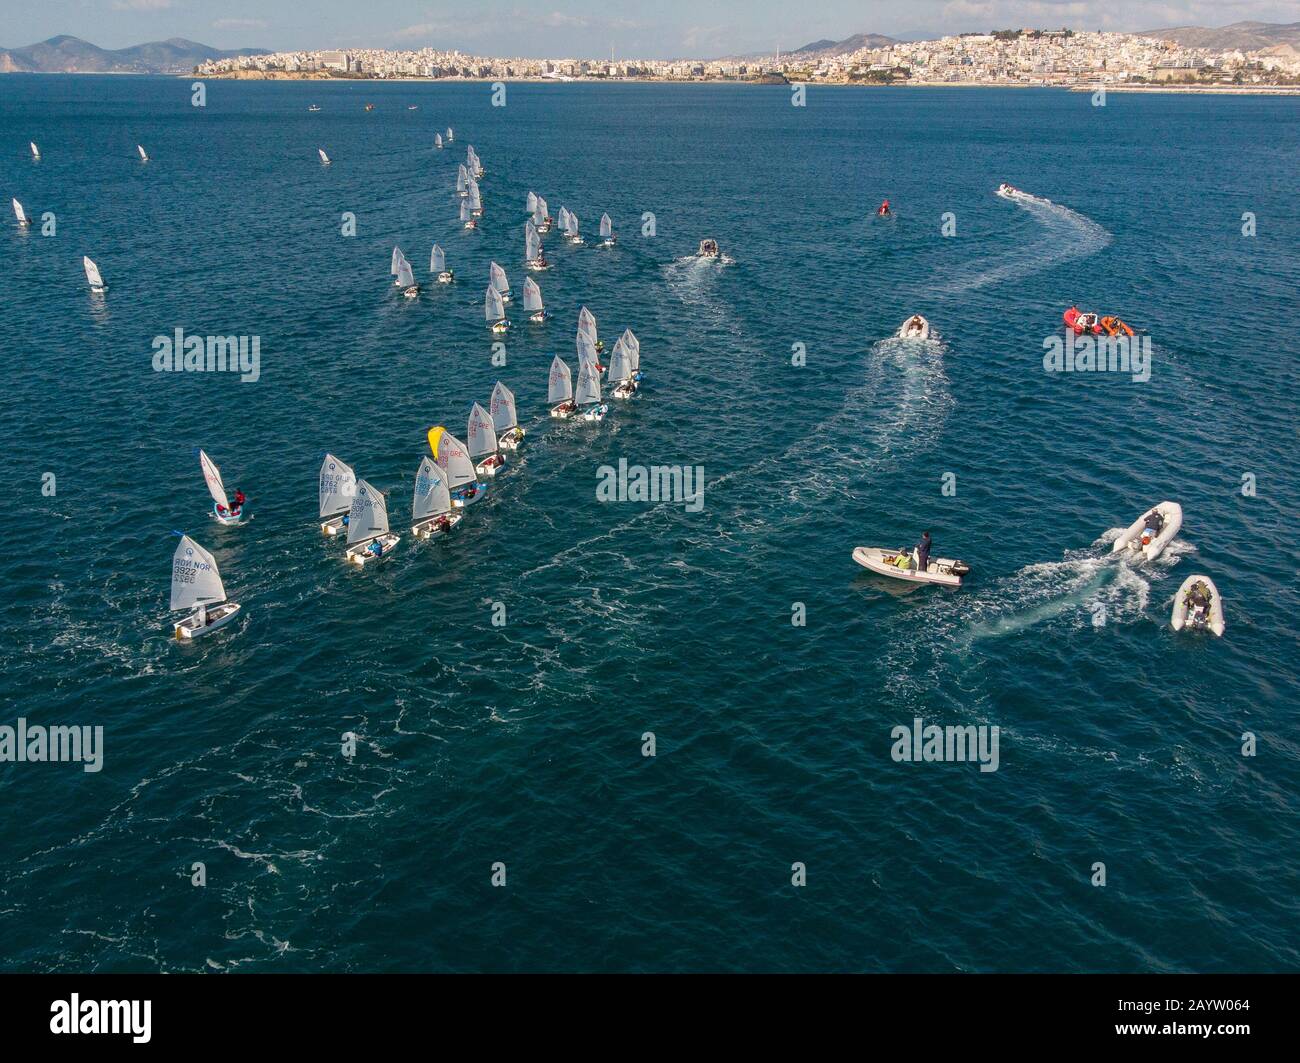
x=406, y=280
x=437, y=141
x=534, y=255
x=473, y=162
x=467, y=216
x=494, y=310
x=533, y=302
x=462, y=180
x=475, y=198
x=571, y=229
x=540, y=216
x=196, y=584
x=633, y=347
x=431, y=512
x=368, y=536
x=395, y=265
x=314, y=108
x=93, y=278
x=505, y=422
x=452, y=457
x=497, y=278
x=438, y=265
x=587, y=353
x=325, y=159
x=559, y=390
x=562, y=221
x=587, y=324
x=606, y=231
x=36, y=152
x=338, y=486
x=482, y=440
x=587, y=395
x=530, y=203
x=620, y=372
x=450, y=135
x=222, y=511
x=21, y=215
x=144, y=157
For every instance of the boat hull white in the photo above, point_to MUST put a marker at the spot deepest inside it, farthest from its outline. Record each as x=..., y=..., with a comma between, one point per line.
x=218, y=616
x=914, y=328
x=563, y=411
x=942, y=570
x=460, y=501
x=1186, y=616
x=436, y=527
x=360, y=554
x=595, y=413
x=333, y=526
x=228, y=520
x=1130, y=540
x=511, y=438
x=490, y=465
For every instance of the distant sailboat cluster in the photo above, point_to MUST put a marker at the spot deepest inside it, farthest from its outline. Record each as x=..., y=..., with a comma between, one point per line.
x=454, y=474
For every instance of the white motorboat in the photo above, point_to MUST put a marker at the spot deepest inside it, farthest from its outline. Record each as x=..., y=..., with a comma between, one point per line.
x=942, y=570
x=196, y=585
x=1152, y=532
x=914, y=328
x=1198, y=606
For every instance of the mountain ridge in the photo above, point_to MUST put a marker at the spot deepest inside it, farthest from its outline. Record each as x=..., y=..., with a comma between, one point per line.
x=65, y=54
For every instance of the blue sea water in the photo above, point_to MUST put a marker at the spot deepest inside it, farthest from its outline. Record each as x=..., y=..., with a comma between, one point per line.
x=1121, y=741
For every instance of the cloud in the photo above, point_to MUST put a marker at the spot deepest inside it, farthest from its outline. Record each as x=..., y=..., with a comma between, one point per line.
x=239, y=24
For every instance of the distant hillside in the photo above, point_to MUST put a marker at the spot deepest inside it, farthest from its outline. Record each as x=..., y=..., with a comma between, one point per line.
x=850, y=44
x=71, y=55
x=1246, y=36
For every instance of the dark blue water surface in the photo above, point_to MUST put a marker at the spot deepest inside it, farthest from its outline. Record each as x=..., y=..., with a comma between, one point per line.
x=1121, y=741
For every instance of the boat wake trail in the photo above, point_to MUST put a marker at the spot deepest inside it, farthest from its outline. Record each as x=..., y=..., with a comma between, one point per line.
x=1065, y=235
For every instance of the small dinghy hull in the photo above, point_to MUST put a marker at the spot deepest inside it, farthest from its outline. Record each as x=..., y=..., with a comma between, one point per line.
x=942, y=570
x=460, y=501
x=333, y=526
x=436, y=527
x=914, y=328
x=360, y=554
x=1130, y=540
x=218, y=616
x=490, y=466
x=227, y=519
x=1187, y=615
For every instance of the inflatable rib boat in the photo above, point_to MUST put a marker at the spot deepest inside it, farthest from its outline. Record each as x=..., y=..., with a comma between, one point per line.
x=941, y=570
x=914, y=328
x=1198, y=606
x=1143, y=539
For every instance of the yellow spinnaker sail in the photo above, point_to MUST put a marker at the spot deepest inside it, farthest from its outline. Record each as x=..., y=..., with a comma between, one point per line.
x=435, y=436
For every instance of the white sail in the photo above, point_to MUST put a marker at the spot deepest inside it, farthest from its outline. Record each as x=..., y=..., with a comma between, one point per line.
x=586, y=349
x=20, y=214
x=532, y=295
x=587, y=323
x=633, y=347
x=539, y=214
x=195, y=579
x=493, y=308
x=143, y=155
x=502, y=406
x=432, y=497
x=560, y=384
x=437, y=140
x=323, y=157
x=606, y=227
x=531, y=203
x=532, y=241
x=572, y=228
x=453, y=459
x=475, y=200
x=396, y=262
x=213, y=476
x=368, y=517
x=464, y=210
x=338, y=486
x=405, y=275
x=462, y=178
x=588, y=384
x=562, y=219
x=480, y=434
x=36, y=152
x=92, y=273
x=437, y=260
x=498, y=278
x=450, y=135
x=620, y=367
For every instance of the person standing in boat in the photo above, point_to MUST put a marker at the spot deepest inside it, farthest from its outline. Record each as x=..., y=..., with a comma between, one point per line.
x=238, y=507
x=923, y=552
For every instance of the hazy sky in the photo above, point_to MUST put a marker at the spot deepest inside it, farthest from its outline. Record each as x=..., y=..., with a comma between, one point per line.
x=582, y=28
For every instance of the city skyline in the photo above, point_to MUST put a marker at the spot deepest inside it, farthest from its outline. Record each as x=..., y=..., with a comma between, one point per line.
x=585, y=29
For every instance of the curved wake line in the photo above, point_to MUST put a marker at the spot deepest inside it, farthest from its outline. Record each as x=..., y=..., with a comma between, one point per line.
x=1067, y=235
